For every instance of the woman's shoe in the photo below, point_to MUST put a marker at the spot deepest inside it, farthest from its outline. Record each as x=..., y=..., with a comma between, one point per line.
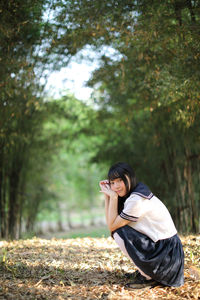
x=141, y=282
x=132, y=275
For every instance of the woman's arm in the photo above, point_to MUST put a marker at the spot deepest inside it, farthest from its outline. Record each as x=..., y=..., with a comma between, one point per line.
x=106, y=208
x=114, y=221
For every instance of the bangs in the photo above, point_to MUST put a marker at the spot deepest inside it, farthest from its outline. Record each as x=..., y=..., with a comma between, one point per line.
x=116, y=173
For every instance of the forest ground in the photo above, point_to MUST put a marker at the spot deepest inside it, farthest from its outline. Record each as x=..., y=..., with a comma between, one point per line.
x=83, y=268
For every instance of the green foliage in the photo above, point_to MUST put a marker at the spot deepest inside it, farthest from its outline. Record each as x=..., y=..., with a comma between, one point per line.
x=146, y=109
x=20, y=104
x=72, y=180
x=147, y=96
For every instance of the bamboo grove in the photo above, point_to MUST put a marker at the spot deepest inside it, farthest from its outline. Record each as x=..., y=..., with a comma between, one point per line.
x=146, y=97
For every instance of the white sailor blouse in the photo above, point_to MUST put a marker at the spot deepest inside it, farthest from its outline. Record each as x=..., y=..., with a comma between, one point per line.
x=148, y=214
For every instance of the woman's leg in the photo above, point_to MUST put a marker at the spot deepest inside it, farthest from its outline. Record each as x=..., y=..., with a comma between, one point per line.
x=119, y=241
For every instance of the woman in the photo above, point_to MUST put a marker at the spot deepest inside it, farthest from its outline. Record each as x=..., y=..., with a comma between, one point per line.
x=143, y=229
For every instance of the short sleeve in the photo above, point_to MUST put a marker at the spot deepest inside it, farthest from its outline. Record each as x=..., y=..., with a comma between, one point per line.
x=133, y=208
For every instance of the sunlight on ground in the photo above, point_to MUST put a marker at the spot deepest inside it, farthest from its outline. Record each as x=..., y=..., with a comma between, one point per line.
x=82, y=268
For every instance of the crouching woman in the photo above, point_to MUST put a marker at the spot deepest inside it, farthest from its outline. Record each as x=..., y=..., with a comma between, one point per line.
x=142, y=227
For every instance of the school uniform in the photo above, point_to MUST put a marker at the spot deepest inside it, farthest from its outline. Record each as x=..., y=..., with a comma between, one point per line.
x=151, y=239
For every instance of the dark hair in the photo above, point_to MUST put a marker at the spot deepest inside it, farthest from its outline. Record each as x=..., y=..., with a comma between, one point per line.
x=121, y=170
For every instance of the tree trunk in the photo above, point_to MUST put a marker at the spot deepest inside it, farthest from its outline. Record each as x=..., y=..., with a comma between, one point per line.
x=13, y=212
x=181, y=194
x=29, y=224
x=2, y=204
x=32, y=213
x=69, y=222
x=189, y=5
x=194, y=217
x=177, y=8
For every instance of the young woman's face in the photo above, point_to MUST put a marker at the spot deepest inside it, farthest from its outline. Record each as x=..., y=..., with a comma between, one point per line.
x=117, y=185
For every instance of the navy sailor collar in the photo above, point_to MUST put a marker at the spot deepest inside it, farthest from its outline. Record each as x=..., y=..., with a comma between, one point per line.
x=142, y=190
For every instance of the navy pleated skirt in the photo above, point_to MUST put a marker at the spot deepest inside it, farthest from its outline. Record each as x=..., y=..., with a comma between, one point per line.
x=163, y=260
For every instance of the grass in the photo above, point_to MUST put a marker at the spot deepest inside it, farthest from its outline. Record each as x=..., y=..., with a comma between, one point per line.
x=93, y=232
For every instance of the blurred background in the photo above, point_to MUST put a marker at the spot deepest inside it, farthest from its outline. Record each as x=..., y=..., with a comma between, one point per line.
x=84, y=84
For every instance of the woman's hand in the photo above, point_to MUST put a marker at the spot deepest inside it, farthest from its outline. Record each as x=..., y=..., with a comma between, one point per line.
x=111, y=204
x=105, y=188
